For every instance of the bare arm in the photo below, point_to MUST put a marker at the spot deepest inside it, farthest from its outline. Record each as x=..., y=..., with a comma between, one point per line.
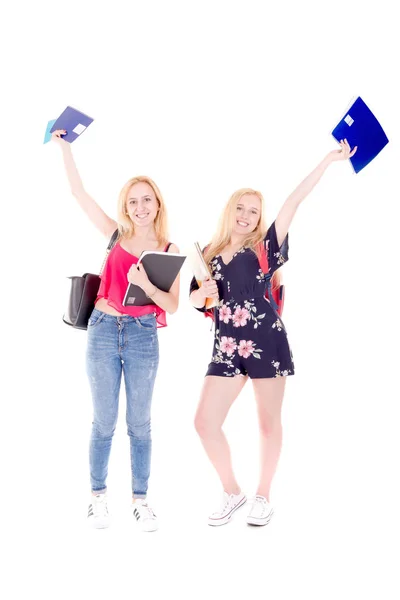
x=96, y=214
x=197, y=299
x=208, y=289
x=291, y=204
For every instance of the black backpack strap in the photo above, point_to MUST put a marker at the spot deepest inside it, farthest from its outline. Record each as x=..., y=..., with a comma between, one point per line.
x=113, y=239
x=111, y=244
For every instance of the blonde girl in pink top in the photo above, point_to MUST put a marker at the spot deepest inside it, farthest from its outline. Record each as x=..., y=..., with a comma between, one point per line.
x=124, y=339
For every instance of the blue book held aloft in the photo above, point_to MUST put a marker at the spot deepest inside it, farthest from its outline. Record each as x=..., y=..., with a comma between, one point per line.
x=73, y=121
x=361, y=128
x=47, y=134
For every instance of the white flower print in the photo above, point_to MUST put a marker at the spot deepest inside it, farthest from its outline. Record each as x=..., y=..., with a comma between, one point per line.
x=261, y=276
x=249, y=304
x=216, y=268
x=276, y=365
x=277, y=325
x=219, y=358
x=279, y=257
x=233, y=373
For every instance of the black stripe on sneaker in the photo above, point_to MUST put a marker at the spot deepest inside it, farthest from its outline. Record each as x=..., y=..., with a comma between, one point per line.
x=136, y=514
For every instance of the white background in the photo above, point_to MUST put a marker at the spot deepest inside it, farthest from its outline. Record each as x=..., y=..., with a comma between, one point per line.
x=205, y=98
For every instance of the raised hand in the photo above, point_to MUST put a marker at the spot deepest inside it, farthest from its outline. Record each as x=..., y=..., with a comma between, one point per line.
x=56, y=136
x=343, y=153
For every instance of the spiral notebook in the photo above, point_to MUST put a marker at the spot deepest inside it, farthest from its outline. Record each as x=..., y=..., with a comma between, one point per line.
x=361, y=128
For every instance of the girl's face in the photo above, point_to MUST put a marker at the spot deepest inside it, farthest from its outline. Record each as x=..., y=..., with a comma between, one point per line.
x=248, y=212
x=142, y=204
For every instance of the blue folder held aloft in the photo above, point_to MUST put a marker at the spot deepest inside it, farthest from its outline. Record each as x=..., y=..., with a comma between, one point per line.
x=362, y=129
x=73, y=121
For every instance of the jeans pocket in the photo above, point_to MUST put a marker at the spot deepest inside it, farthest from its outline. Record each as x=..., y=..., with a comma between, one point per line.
x=147, y=322
x=95, y=318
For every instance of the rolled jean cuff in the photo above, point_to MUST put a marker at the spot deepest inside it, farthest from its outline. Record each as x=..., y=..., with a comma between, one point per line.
x=100, y=491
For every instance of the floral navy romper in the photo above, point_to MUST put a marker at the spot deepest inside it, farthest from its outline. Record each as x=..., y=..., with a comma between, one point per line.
x=250, y=338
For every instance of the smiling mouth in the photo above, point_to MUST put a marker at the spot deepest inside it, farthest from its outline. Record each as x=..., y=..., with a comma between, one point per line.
x=242, y=223
x=142, y=216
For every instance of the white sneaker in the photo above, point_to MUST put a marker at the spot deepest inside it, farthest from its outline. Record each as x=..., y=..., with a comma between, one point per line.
x=98, y=512
x=230, y=503
x=144, y=515
x=260, y=512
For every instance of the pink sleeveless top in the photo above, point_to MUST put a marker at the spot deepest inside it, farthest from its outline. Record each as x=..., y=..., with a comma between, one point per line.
x=114, y=283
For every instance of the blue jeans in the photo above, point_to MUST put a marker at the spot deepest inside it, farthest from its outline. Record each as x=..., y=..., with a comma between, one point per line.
x=115, y=345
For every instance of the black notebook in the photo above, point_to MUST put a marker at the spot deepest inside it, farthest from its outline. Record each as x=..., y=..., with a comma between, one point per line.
x=162, y=269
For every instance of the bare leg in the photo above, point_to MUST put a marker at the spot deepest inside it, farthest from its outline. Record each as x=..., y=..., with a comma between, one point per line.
x=269, y=396
x=218, y=395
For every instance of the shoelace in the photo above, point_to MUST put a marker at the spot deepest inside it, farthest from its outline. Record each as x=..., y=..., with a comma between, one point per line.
x=224, y=505
x=260, y=503
x=100, y=505
x=150, y=513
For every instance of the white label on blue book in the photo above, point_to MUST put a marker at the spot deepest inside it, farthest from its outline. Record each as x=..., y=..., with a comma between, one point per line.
x=79, y=129
x=349, y=120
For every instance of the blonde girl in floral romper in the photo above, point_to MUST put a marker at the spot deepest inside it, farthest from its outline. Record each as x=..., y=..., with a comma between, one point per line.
x=250, y=338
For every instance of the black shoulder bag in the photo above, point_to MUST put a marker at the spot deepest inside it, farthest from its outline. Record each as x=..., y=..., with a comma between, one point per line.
x=83, y=293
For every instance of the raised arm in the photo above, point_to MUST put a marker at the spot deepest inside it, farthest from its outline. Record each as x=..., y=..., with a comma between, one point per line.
x=289, y=208
x=96, y=214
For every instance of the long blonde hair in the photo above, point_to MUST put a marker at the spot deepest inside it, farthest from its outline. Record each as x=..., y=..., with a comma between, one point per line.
x=222, y=236
x=126, y=227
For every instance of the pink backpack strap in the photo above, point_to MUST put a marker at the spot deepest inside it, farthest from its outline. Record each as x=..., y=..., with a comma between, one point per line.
x=167, y=247
x=276, y=296
x=262, y=257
